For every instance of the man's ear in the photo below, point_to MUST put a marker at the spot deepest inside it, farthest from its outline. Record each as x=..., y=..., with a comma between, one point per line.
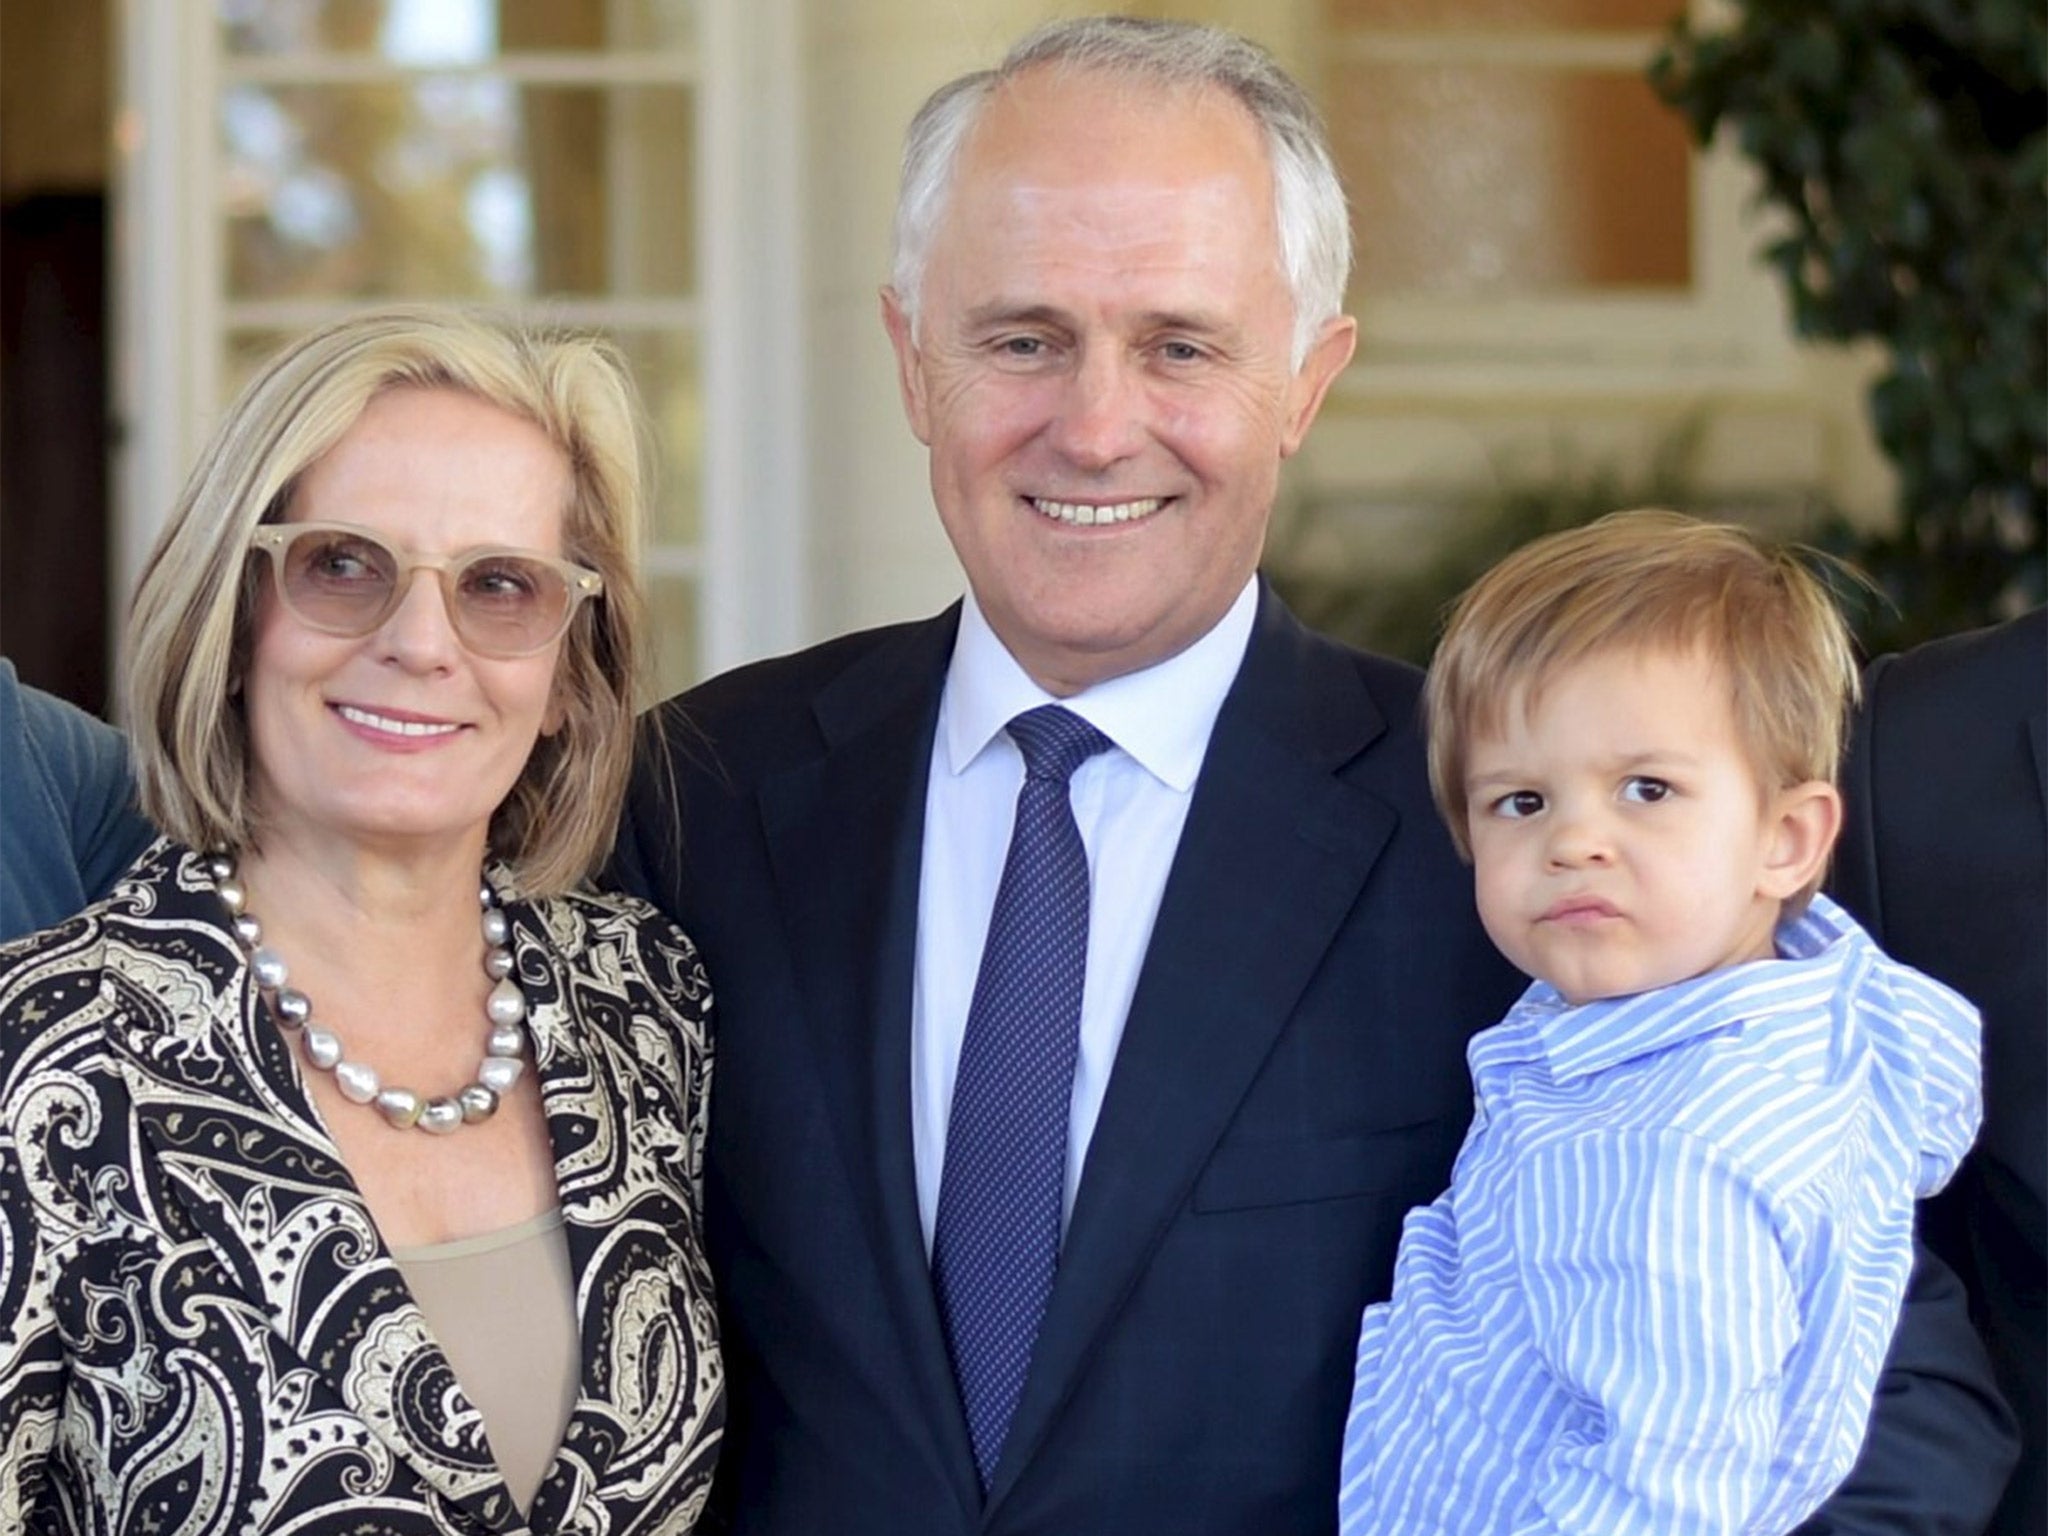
x=1798, y=838
x=1327, y=358
x=909, y=363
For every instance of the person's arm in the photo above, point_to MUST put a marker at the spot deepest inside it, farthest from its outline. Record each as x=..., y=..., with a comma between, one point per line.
x=82, y=763
x=1661, y=1302
x=1941, y=1443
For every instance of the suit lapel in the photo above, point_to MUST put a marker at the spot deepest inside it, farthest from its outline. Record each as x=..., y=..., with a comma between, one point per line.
x=1274, y=853
x=243, y=1157
x=845, y=834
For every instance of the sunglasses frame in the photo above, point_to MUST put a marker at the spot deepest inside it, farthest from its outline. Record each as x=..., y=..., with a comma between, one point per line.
x=276, y=540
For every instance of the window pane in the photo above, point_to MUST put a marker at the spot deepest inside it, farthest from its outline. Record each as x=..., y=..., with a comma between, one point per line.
x=1484, y=181
x=1548, y=15
x=453, y=31
x=457, y=187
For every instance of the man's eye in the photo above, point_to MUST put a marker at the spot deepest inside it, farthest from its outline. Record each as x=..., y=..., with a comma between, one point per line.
x=1517, y=804
x=1180, y=351
x=1021, y=346
x=1644, y=790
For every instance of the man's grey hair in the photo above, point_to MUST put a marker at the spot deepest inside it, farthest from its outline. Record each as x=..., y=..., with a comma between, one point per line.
x=1308, y=199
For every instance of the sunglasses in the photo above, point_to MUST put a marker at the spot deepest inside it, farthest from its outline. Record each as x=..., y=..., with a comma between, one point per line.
x=344, y=580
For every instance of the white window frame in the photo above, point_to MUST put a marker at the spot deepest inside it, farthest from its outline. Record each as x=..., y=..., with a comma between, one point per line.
x=171, y=312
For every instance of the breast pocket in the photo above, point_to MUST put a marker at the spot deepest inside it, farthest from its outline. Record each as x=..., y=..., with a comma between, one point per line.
x=1412, y=1162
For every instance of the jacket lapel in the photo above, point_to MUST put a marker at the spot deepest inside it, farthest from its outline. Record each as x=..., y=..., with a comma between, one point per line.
x=619, y=1148
x=845, y=834
x=244, y=1158
x=1274, y=853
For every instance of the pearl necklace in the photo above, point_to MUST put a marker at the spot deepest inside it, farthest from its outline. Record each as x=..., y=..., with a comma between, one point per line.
x=358, y=1083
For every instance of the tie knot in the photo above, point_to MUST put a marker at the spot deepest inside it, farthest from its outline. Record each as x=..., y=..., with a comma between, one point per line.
x=1054, y=742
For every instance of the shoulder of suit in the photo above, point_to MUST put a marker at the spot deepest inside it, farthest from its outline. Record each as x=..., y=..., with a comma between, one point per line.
x=2001, y=670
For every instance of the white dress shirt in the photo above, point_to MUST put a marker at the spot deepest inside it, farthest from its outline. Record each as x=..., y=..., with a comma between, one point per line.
x=1130, y=804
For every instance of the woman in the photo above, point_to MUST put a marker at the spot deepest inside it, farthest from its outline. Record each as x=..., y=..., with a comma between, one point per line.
x=332, y=1194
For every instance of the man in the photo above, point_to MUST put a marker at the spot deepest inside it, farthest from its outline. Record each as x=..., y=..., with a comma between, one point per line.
x=1115, y=308
x=1945, y=858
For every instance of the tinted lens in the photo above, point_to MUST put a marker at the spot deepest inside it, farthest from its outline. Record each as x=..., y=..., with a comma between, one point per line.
x=339, y=581
x=509, y=604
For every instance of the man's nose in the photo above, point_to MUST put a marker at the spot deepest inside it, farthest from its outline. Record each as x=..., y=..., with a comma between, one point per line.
x=1100, y=416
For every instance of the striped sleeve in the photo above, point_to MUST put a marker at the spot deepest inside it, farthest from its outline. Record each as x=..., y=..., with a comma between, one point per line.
x=1661, y=1304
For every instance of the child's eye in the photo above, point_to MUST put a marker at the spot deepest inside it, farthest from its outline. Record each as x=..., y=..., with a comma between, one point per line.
x=1517, y=804
x=1644, y=790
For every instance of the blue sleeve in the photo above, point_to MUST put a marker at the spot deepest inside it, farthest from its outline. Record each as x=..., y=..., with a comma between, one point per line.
x=70, y=825
x=86, y=766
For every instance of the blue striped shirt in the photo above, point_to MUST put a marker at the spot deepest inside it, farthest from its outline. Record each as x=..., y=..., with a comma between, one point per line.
x=1658, y=1292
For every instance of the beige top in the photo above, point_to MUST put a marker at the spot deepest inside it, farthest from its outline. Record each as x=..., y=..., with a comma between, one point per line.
x=503, y=1307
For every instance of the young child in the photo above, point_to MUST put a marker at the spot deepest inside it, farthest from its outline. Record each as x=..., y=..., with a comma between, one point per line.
x=1658, y=1292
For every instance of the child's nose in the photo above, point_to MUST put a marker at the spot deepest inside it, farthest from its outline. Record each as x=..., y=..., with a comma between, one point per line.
x=1577, y=840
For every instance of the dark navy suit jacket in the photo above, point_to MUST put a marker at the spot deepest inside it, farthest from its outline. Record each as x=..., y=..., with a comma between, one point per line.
x=1290, y=1082
x=1945, y=858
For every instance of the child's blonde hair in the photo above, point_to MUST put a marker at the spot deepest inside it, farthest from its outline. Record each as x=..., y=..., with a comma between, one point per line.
x=1648, y=580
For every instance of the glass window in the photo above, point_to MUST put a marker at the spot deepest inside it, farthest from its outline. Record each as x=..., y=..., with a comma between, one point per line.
x=1509, y=149
x=529, y=154
x=1485, y=180
x=446, y=32
x=457, y=187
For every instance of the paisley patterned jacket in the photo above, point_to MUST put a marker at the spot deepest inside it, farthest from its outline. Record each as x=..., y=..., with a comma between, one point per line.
x=201, y=1331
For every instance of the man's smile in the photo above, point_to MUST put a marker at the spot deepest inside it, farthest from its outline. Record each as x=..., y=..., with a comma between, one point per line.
x=1088, y=514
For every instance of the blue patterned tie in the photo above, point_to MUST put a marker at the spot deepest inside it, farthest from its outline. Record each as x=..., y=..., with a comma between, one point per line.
x=996, y=1240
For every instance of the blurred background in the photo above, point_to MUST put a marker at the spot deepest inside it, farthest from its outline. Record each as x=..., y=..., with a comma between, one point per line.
x=1784, y=263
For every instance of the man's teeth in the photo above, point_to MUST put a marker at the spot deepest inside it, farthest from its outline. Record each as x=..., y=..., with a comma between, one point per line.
x=393, y=727
x=1086, y=514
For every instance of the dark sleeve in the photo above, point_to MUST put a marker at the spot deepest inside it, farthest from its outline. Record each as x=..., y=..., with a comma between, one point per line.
x=83, y=763
x=1941, y=1442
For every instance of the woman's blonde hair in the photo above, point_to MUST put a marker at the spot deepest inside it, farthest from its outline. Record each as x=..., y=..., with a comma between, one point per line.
x=1648, y=580
x=189, y=630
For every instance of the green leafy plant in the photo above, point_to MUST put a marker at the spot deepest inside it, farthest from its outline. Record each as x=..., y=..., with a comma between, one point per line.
x=1906, y=144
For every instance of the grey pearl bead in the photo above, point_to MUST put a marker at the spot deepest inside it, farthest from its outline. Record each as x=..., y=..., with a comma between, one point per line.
x=401, y=1106
x=292, y=1007
x=505, y=1040
x=496, y=928
x=269, y=969
x=499, y=1073
x=233, y=894
x=219, y=867
x=358, y=1083
x=507, y=1005
x=478, y=1103
x=248, y=932
x=323, y=1047
x=440, y=1117
x=498, y=964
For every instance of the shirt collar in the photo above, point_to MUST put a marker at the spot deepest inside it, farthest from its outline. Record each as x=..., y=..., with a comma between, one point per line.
x=1813, y=951
x=1161, y=716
